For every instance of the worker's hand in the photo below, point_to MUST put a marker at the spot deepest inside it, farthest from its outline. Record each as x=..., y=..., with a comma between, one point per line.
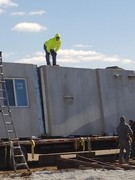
x=53, y=52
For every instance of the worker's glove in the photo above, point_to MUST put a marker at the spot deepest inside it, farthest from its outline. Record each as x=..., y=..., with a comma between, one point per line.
x=48, y=52
x=53, y=52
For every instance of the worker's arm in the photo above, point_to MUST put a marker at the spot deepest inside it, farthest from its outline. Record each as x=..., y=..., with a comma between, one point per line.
x=57, y=46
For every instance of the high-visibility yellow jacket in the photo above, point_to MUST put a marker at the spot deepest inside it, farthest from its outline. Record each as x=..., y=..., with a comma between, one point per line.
x=53, y=43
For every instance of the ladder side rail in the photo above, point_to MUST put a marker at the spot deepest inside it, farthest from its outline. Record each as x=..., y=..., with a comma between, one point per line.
x=8, y=106
x=14, y=143
x=5, y=100
x=6, y=95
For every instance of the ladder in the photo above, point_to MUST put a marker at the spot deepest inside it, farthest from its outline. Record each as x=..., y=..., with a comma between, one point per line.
x=17, y=157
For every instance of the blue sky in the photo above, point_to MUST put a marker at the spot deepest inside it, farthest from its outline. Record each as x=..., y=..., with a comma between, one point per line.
x=94, y=33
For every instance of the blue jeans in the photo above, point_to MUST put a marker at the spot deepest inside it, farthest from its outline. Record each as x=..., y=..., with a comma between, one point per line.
x=52, y=53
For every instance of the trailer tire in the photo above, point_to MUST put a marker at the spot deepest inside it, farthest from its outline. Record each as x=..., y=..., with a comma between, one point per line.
x=10, y=158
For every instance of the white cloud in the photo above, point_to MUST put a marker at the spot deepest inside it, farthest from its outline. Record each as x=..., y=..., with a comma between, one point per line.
x=82, y=46
x=33, y=13
x=7, y=3
x=73, y=52
x=79, y=58
x=37, y=59
x=18, y=13
x=8, y=55
x=1, y=11
x=28, y=27
x=111, y=59
x=127, y=61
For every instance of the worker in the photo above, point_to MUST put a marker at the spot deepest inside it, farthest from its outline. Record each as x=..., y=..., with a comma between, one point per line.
x=51, y=47
x=125, y=133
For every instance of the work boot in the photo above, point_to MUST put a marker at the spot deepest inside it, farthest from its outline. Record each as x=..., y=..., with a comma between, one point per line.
x=121, y=161
x=55, y=65
x=127, y=161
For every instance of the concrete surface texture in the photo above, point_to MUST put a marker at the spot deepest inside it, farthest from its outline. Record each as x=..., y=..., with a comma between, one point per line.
x=76, y=101
x=27, y=119
x=85, y=101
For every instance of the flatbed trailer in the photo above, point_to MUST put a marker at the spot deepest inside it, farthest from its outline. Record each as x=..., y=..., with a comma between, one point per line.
x=46, y=145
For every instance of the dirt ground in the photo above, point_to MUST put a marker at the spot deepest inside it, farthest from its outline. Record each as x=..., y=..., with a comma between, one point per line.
x=24, y=172
x=34, y=166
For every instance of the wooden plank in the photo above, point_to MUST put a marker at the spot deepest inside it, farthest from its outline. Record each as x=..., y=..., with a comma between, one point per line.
x=75, y=163
x=107, y=165
x=69, y=153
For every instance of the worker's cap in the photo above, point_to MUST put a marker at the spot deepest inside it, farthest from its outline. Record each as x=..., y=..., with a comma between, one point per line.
x=122, y=119
x=57, y=36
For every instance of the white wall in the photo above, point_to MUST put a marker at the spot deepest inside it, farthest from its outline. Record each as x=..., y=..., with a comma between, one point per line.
x=28, y=120
x=94, y=100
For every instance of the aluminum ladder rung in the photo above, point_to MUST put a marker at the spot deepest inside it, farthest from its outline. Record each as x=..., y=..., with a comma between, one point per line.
x=16, y=147
x=14, y=139
x=3, y=81
x=2, y=98
x=4, y=106
x=18, y=155
x=10, y=131
x=21, y=164
x=7, y=114
x=2, y=90
x=9, y=123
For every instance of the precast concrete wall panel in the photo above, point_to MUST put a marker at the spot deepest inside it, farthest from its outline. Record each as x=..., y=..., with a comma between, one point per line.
x=28, y=120
x=71, y=101
x=117, y=88
x=76, y=101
